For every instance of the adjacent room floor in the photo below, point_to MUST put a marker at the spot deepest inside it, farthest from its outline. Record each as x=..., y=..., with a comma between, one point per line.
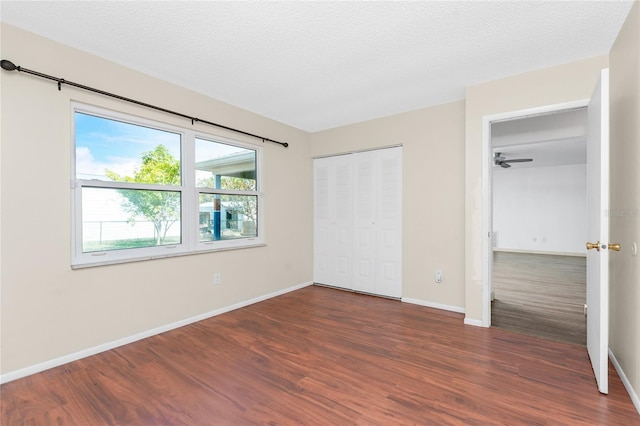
x=541, y=295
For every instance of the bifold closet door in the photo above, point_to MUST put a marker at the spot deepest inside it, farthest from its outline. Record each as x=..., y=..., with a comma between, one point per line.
x=333, y=249
x=377, y=237
x=358, y=221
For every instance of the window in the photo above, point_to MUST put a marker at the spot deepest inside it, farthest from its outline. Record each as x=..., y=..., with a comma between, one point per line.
x=226, y=185
x=144, y=190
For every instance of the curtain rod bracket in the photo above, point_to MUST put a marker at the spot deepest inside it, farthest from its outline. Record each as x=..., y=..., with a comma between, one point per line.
x=10, y=66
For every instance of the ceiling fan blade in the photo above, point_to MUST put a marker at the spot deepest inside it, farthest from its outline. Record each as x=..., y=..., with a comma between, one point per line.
x=519, y=160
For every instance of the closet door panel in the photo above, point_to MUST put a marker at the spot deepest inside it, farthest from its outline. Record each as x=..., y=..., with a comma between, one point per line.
x=389, y=223
x=365, y=221
x=333, y=259
x=321, y=238
x=342, y=251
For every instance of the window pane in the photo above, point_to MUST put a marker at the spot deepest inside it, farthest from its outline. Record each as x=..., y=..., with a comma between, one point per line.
x=226, y=217
x=114, y=219
x=111, y=150
x=223, y=166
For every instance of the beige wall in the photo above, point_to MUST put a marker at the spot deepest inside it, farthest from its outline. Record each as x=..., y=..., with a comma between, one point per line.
x=625, y=198
x=433, y=193
x=49, y=310
x=560, y=84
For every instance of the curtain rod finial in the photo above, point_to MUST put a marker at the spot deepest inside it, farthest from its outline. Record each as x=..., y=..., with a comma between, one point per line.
x=8, y=65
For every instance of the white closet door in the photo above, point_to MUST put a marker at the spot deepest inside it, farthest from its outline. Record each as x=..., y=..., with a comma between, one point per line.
x=333, y=250
x=364, y=222
x=389, y=223
x=358, y=222
x=321, y=245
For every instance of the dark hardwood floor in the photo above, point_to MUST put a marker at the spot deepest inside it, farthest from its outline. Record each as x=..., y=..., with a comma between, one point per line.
x=542, y=295
x=320, y=356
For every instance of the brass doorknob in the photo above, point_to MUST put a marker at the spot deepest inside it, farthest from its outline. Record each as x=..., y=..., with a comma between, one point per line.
x=614, y=247
x=593, y=246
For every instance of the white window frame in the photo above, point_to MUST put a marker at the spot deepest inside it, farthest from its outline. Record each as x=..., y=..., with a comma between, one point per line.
x=189, y=209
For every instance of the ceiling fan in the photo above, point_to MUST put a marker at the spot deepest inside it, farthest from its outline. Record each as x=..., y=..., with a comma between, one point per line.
x=501, y=161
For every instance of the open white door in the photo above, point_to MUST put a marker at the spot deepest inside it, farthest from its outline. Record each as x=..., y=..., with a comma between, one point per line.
x=598, y=231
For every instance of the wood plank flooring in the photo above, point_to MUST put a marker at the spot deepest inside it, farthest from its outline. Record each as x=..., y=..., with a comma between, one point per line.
x=320, y=356
x=542, y=295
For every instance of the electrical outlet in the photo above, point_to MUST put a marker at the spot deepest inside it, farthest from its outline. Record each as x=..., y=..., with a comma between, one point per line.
x=217, y=279
x=438, y=276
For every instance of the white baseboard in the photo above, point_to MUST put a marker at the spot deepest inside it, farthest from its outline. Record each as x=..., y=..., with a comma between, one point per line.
x=553, y=253
x=428, y=304
x=625, y=381
x=458, y=309
x=473, y=322
x=27, y=371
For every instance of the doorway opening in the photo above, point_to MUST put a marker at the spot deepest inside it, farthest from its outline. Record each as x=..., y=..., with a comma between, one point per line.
x=535, y=165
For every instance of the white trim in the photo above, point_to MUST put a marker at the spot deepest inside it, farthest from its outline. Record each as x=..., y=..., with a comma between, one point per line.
x=535, y=111
x=487, y=201
x=551, y=253
x=487, y=222
x=473, y=322
x=33, y=369
x=434, y=305
x=625, y=381
x=144, y=259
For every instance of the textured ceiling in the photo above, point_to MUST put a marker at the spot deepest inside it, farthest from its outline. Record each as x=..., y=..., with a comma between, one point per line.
x=319, y=65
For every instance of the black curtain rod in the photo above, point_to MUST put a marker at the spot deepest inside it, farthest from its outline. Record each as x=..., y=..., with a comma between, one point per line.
x=10, y=66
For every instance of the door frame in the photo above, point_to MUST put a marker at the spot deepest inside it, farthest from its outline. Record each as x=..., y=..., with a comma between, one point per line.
x=487, y=189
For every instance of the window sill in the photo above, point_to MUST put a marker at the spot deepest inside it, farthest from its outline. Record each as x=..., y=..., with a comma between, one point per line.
x=164, y=256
